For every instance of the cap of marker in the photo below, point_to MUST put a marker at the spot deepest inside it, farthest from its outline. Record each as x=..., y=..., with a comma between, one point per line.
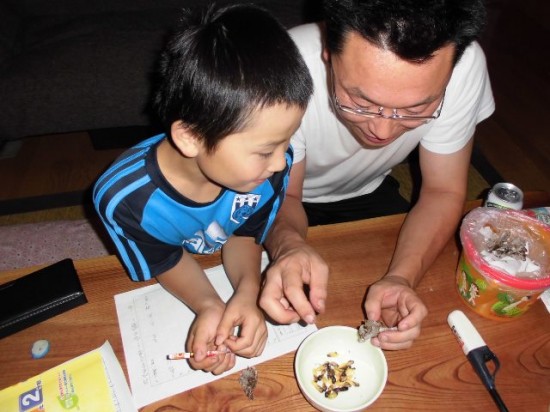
x=467, y=335
x=40, y=348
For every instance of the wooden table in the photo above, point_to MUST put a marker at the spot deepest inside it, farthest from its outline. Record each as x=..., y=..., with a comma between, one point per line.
x=433, y=375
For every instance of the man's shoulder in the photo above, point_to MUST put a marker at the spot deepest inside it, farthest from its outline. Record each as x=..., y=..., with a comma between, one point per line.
x=308, y=29
x=473, y=58
x=308, y=38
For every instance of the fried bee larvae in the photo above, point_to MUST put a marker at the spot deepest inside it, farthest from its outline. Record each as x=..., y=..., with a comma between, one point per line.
x=319, y=372
x=332, y=378
x=339, y=386
x=321, y=388
x=331, y=394
x=332, y=354
x=346, y=365
x=331, y=374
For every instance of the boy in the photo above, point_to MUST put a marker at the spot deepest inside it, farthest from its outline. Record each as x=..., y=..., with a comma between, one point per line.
x=232, y=90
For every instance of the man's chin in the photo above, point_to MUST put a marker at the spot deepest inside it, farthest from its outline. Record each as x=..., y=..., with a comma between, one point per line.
x=372, y=143
x=367, y=141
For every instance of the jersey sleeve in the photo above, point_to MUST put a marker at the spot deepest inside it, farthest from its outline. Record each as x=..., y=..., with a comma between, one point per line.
x=143, y=255
x=120, y=196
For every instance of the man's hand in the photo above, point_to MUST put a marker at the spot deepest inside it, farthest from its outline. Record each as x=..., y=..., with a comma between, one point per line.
x=393, y=301
x=283, y=297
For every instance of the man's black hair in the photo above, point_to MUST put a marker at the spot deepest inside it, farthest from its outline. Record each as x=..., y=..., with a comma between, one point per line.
x=411, y=29
x=221, y=64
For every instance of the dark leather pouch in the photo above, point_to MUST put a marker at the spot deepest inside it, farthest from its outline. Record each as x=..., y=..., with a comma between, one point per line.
x=38, y=296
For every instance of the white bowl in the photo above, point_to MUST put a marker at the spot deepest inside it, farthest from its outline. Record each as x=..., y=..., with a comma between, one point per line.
x=371, y=368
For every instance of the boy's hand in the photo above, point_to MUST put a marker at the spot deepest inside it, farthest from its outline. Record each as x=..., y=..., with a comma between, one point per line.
x=202, y=299
x=243, y=312
x=202, y=337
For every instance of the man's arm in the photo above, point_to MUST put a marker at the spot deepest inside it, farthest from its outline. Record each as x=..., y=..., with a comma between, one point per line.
x=425, y=232
x=434, y=218
x=294, y=263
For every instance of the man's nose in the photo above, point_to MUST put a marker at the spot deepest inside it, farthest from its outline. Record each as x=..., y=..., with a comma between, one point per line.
x=383, y=128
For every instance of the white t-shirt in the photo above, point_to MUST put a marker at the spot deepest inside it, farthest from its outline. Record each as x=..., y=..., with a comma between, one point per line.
x=338, y=167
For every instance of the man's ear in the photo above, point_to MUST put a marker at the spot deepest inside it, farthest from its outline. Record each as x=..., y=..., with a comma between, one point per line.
x=184, y=139
x=326, y=55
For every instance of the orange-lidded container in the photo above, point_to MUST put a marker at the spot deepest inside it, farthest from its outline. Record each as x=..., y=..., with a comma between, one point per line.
x=492, y=278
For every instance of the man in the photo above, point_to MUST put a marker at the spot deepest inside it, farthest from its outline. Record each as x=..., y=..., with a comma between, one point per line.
x=389, y=76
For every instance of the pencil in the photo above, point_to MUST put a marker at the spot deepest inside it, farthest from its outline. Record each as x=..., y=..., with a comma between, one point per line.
x=187, y=355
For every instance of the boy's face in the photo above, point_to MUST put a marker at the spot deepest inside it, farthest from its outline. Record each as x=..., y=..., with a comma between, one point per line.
x=244, y=160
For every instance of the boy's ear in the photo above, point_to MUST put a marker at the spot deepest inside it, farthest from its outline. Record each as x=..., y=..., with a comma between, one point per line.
x=184, y=139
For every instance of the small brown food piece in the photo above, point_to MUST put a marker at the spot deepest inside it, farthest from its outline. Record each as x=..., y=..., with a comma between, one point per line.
x=370, y=329
x=505, y=244
x=248, y=381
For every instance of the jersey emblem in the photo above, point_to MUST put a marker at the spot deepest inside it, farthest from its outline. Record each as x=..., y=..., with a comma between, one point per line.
x=243, y=206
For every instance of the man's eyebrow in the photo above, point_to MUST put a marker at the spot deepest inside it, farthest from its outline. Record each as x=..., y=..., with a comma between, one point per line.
x=354, y=91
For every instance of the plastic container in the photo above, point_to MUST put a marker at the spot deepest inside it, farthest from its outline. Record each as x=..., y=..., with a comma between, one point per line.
x=539, y=213
x=490, y=290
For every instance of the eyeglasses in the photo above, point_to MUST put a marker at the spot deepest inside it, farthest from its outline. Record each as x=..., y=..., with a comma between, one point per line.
x=359, y=111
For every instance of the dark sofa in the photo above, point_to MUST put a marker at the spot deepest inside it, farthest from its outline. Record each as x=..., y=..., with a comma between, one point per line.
x=81, y=65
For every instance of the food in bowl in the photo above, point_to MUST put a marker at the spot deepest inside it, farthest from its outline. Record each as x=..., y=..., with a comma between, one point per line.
x=331, y=378
x=369, y=371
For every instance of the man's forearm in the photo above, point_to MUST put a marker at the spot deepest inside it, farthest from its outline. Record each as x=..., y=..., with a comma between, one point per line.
x=427, y=229
x=290, y=227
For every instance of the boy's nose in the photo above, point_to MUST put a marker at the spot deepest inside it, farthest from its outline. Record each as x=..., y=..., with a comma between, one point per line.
x=278, y=163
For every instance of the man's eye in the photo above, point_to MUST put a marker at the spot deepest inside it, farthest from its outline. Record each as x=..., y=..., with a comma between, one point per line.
x=409, y=112
x=364, y=105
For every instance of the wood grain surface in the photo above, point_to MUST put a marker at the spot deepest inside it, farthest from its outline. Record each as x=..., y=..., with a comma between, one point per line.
x=433, y=375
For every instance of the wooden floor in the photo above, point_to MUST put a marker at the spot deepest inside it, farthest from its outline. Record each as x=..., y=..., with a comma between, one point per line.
x=53, y=164
x=515, y=140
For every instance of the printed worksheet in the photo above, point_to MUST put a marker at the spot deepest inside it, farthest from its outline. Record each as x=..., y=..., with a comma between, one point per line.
x=153, y=324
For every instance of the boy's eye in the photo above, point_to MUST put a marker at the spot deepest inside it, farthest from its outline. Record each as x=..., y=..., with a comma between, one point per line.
x=266, y=155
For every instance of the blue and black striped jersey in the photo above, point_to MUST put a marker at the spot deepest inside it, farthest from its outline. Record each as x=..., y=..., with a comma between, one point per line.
x=151, y=223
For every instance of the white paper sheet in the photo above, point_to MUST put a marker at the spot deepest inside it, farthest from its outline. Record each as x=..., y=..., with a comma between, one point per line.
x=120, y=392
x=153, y=323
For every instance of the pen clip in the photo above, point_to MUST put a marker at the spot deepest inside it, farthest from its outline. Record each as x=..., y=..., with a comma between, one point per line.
x=479, y=358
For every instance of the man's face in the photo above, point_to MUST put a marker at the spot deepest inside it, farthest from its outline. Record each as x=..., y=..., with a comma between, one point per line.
x=369, y=78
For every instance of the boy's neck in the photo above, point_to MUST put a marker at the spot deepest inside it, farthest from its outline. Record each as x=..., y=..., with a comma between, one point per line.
x=184, y=175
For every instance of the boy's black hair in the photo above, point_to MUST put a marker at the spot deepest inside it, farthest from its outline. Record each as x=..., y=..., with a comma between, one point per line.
x=221, y=64
x=412, y=29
